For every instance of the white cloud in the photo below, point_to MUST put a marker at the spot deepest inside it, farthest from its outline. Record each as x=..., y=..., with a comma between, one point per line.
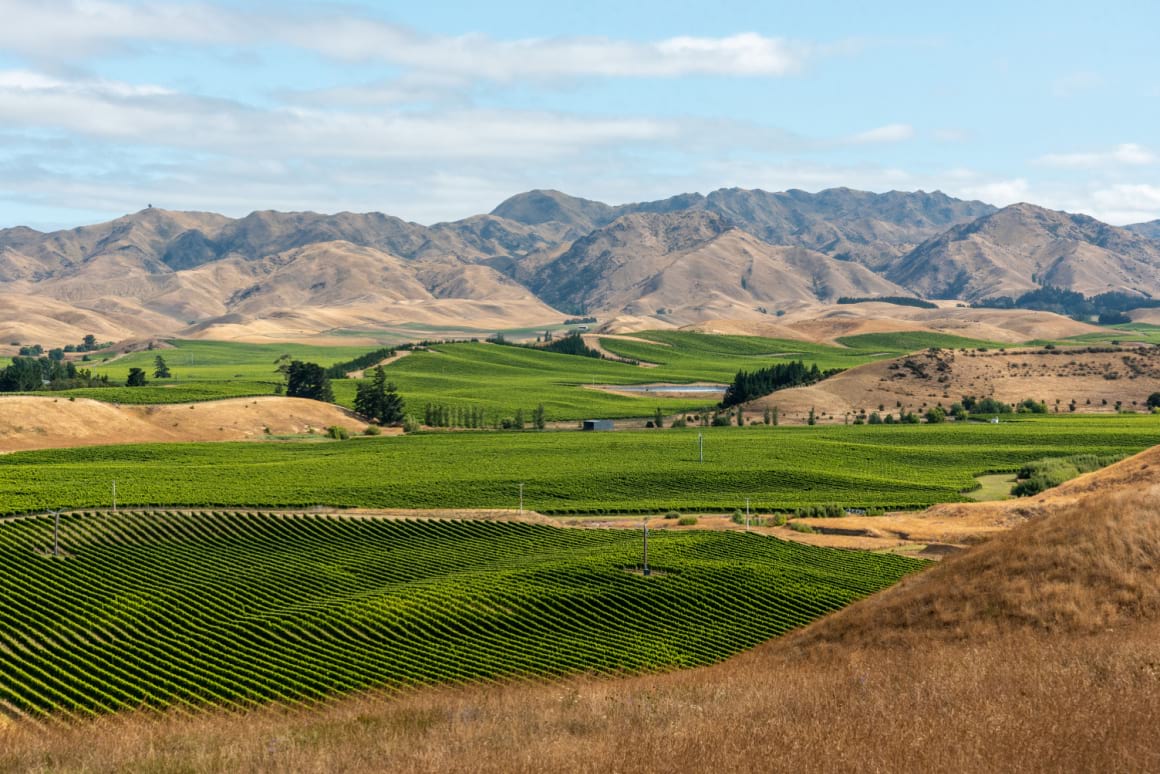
x=1125, y=154
x=66, y=29
x=883, y=134
x=1127, y=203
x=107, y=110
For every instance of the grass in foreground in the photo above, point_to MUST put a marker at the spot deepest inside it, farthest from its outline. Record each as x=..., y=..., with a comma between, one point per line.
x=1038, y=655
x=571, y=472
x=178, y=611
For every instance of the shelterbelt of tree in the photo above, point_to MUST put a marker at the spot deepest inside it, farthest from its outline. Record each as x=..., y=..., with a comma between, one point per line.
x=777, y=468
x=183, y=610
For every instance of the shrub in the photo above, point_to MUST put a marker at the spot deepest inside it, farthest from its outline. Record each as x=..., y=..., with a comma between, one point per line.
x=337, y=432
x=372, y=430
x=797, y=526
x=679, y=422
x=672, y=515
x=778, y=520
x=687, y=521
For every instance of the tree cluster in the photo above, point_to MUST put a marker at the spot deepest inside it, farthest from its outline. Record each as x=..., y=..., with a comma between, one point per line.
x=1108, y=307
x=27, y=374
x=378, y=400
x=308, y=380
x=749, y=385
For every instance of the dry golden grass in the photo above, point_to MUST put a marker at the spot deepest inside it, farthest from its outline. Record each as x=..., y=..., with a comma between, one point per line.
x=945, y=376
x=36, y=422
x=1037, y=651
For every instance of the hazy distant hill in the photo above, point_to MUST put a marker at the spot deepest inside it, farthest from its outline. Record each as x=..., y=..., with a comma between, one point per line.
x=1149, y=230
x=1022, y=247
x=543, y=253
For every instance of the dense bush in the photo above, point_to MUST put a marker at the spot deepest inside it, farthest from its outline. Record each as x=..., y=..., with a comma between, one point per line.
x=1041, y=475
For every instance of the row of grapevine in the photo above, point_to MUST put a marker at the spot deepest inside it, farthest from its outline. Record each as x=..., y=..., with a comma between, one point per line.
x=164, y=610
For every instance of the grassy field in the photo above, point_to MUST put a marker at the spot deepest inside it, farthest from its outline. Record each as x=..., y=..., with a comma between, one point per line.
x=166, y=610
x=1131, y=332
x=571, y=472
x=500, y=379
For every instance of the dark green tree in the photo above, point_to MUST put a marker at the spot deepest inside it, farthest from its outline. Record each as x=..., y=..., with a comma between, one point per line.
x=538, y=417
x=378, y=399
x=160, y=369
x=89, y=343
x=308, y=380
x=136, y=378
x=1154, y=400
x=659, y=417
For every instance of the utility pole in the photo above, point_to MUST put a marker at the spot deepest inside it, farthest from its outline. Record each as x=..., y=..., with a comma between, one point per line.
x=521, y=498
x=55, y=533
x=701, y=448
x=645, y=524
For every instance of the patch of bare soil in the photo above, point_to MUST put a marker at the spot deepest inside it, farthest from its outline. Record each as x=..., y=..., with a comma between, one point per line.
x=592, y=340
x=399, y=355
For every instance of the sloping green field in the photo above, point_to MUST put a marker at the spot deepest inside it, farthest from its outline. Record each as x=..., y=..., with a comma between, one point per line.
x=167, y=610
x=501, y=380
x=889, y=466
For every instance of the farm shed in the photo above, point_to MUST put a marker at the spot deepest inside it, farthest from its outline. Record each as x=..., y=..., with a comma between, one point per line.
x=597, y=424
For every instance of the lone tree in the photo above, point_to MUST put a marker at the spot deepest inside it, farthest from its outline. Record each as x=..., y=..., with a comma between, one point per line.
x=308, y=380
x=377, y=399
x=538, y=417
x=160, y=369
x=136, y=378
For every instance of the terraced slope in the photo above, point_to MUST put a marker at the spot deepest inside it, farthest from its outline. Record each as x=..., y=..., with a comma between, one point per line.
x=183, y=610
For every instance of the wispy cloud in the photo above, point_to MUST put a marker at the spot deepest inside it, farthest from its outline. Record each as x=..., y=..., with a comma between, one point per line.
x=68, y=29
x=883, y=134
x=1125, y=154
x=117, y=111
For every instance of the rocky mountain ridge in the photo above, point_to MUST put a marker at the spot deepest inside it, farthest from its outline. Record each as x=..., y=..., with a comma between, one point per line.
x=539, y=254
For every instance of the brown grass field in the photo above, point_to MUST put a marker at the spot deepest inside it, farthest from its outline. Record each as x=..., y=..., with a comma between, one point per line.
x=41, y=422
x=1094, y=380
x=1038, y=650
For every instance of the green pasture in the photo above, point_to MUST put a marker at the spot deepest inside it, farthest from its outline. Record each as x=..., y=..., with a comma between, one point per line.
x=780, y=468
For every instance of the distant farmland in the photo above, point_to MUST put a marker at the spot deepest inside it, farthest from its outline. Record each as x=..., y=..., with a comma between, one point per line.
x=500, y=380
x=180, y=611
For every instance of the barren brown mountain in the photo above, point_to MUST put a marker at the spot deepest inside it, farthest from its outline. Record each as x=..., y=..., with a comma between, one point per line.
x=541, y=255
x=694, y=266
x=1023, y=247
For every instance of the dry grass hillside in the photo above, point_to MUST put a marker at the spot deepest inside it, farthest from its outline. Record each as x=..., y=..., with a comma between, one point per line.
x=33, y=422
x=1095, y=381
x=1023, y=247
x=695, y=266
x=1037, y=651
x=827, y=323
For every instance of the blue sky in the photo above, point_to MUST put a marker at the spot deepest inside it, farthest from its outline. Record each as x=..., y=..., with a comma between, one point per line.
x=439, y=110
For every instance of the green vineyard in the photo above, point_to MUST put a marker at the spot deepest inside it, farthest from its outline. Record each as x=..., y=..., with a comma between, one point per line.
x=777, y=468
x=168, y=610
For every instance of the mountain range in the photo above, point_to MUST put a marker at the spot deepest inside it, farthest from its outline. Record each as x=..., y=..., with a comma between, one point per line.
x=542, y=255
